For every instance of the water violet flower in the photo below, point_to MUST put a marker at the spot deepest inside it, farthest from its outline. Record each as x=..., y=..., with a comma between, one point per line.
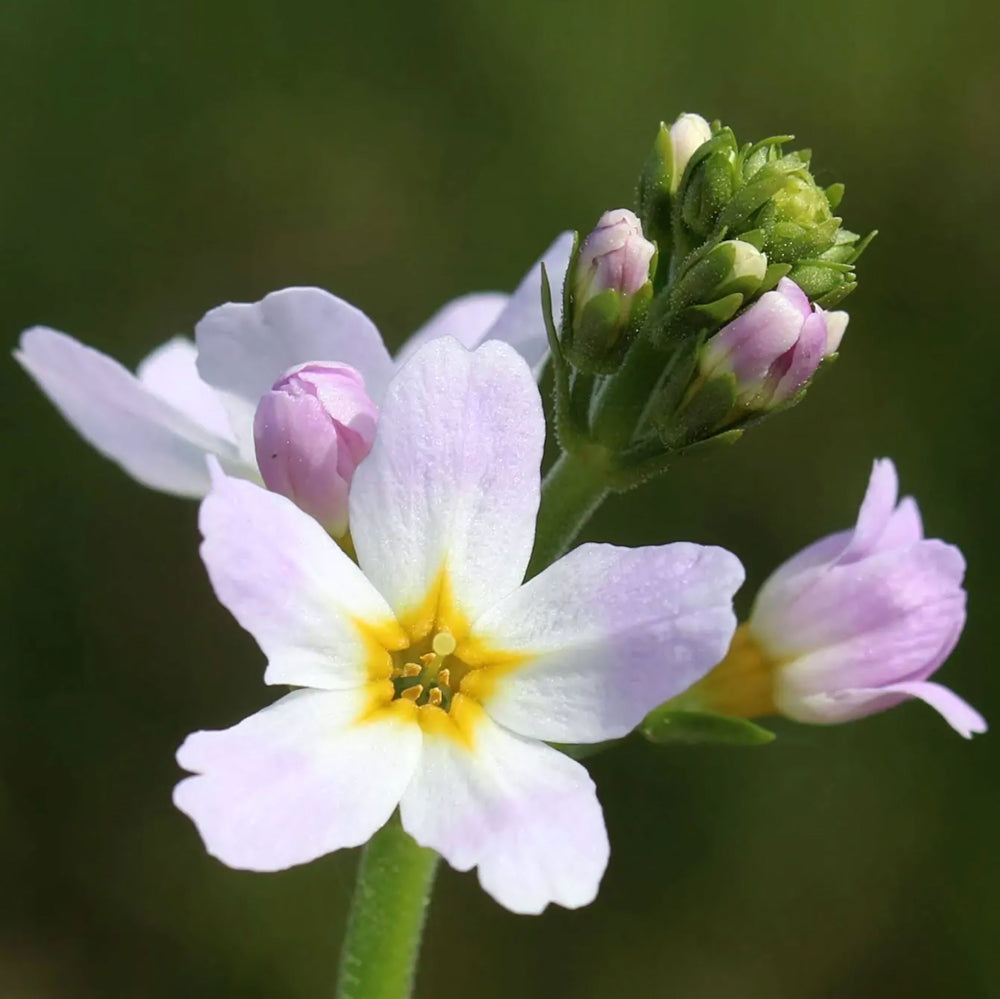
x=854, y=624
x=431, y=676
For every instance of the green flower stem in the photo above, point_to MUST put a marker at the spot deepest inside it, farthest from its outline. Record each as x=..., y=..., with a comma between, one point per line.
x=573, y=489
x=627, y=394
x=386, y=922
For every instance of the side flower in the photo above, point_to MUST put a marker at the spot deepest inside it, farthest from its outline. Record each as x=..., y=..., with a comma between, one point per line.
x=431, y=677
x=852, y=625
x=190, y=400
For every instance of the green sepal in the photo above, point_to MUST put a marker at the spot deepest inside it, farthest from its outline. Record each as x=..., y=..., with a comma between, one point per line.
x=712, y=315
x=773, y=274
x=665, y=725
x=708, y=408
x=653, y=197
x=833, y=298
x=709, y=182
x=834, y=194
x=603, y=330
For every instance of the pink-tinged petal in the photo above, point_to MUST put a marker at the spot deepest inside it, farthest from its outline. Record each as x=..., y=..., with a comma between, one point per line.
x=171, y=372
x=243, y=349
x=520, y=323
x=904, y=527
x=804, y=360
x=526, y=815
x=789, y=576
x=794, y=295
x=297, y=780
x=610, y=634
x=960, y=715
x=876, y=509
x=289, y=584
x=452, y=481
x=152, y=440
x=750, y=344
x=467, y=319
x=859, y=702
x=910, y=647
x=846, y=602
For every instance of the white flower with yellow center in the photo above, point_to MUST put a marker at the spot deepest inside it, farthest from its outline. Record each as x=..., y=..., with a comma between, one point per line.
x=432, y=676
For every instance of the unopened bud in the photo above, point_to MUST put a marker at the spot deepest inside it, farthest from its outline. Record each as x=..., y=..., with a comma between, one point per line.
x=687, y=133
x=773, y=348
x=311, y=431
x=610, y=290
x=614, y=257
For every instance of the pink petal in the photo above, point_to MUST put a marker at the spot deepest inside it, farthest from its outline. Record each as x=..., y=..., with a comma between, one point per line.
x=611, y=633
x=153, y=440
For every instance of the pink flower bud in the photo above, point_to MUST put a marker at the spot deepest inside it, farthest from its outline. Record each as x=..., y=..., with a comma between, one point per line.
x=614, y=257
x=774, y=347
x=311, y=431
x=687, y=133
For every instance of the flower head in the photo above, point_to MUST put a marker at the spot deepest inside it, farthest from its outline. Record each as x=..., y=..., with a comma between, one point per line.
x=311, y=431
x=775, y=347
x=430, y=675
x=186, y=402
x=854, y=624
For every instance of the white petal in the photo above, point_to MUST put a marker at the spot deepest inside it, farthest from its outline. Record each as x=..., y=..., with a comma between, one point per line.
x=526, y=815
x=521, y=323
x=171, y=372
x=297, y=780
x=467, y=319
x=609, y=633
x=152, y=440
x=244, y=348
x=289, y=584
x=452, y=482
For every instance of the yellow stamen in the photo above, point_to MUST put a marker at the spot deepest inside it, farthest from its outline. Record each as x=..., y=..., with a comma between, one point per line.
x=413, y=693
x=444, y=677
x=434, y=696
x=412, y=669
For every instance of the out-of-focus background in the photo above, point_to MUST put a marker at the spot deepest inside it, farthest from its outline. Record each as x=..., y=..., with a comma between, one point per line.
x=161, y=158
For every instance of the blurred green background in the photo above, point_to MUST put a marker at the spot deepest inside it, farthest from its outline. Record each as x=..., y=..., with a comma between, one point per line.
x=161, y=158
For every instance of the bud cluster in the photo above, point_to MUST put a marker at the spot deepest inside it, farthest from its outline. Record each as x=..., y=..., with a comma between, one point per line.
x=706, y=309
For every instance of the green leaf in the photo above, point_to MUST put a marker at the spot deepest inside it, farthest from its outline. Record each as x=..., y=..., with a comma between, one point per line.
x=694, y=728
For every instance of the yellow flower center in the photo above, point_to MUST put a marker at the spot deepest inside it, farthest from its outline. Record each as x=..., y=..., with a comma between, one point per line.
x=426, y=666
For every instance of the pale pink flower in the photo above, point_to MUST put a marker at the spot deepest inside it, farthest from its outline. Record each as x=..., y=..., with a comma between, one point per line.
x=431, y=676
x=854, y=624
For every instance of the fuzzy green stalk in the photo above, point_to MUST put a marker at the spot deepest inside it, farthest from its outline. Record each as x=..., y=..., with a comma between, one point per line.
x=386, y=923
